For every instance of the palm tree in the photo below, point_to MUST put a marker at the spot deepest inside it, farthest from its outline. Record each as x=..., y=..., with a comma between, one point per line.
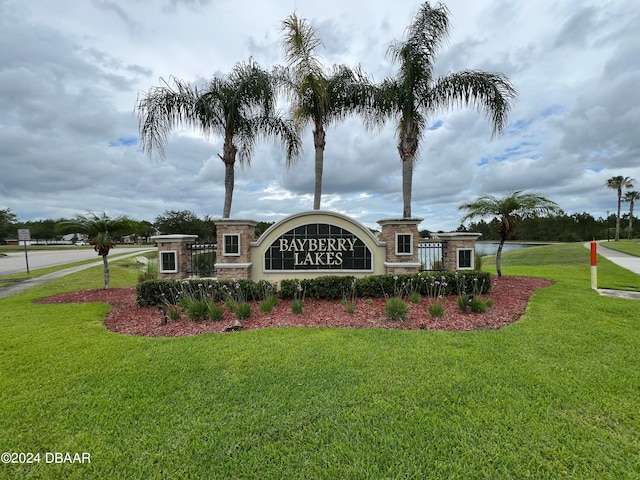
x=318, y=98
x=413, y=95
x=510, y=211
x=239, y=108
x=631, y=197
x=101, y=229
x=617, y=183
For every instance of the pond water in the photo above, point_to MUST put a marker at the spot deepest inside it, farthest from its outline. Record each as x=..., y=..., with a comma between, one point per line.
x=491, y=248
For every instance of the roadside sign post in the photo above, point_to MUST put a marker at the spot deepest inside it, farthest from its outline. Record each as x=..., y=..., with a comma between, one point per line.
x=594, y=265
x=24, y=234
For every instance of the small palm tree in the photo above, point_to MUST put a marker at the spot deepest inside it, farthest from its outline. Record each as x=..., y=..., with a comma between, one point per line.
x=510, y=211
x=617, y=183
x=318, y=97
x=413, y=95
x=101, y=229
x=631, y=197
x=239, y=108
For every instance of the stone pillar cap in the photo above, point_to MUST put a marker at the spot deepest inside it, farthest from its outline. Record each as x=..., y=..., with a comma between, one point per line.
x=458, y=235
x=400, y=221
x=234, y=221
x=176, y=237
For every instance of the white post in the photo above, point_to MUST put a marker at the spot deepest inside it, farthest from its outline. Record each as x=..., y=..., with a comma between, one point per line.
x=594, y=266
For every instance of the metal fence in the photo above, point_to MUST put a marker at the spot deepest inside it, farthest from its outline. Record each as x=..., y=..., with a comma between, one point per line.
x=430, y=255
x=203, y=259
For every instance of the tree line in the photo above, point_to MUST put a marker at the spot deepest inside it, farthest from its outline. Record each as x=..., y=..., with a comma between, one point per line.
x=170, y=222
x=562, y=227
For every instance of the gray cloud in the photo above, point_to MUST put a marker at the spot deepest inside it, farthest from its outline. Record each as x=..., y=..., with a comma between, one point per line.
x=70, y=75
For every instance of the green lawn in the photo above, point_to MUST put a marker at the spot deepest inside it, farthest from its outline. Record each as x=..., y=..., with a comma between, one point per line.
x=554, y=395
x=632, y=247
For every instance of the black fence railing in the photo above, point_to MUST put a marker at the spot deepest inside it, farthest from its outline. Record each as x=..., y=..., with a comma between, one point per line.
x=430, y=255
x=203, y=259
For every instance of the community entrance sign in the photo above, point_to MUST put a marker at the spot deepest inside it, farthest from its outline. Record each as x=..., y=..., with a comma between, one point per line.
x=313, y=244
x=317, y=246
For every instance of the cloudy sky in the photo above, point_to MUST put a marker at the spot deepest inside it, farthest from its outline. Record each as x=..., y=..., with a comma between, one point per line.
x=70, y=74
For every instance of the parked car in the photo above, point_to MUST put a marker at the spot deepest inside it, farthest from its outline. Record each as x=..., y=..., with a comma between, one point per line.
x=81, y=243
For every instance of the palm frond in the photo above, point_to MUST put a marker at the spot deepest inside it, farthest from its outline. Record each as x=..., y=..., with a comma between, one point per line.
x=299, y=44
x=515, y=204
x=491, y=93
x=162, y=109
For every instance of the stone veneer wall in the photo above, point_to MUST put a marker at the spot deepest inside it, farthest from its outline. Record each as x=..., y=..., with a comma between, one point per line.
x=454, y=242
x=234, y=267
x=178, y=243
x=400, y=263
x=238, y=267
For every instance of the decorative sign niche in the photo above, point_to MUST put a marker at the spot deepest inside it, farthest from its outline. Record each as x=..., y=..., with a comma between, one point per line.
x=318, y=246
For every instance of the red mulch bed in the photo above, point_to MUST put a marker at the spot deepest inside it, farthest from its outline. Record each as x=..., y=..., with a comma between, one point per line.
x=510, y=296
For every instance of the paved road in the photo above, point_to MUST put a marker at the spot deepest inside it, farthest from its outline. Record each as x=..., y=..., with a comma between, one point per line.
x=32, y=282
x=14, y=262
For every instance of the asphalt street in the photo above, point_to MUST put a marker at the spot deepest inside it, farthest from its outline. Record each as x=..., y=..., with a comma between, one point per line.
x=15, y=262
x=31, y=282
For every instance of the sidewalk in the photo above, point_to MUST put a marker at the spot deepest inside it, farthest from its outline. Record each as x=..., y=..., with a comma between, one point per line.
x=32, y=282
x=624, y=260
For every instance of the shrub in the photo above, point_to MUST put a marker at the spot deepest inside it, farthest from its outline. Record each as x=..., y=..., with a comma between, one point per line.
x=415, y=297
x=216, y=312
x=149, y=270
x=462, y=303
x=268, y=304
x=242, y=311
x=297, y=306
x=349, y=306
x=436, y=310
x=158, y=292
x=174, y=312
x=479, y=305
x=475, y=303
x=197, y=310
x=326, y=288
x=396, y=309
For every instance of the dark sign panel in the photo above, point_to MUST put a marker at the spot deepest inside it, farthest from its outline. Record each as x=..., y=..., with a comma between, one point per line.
x=318, y=246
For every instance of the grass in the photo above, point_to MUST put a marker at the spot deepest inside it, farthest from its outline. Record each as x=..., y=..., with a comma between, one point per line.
x=632, y=247
x=551, y=396
x=549, y=261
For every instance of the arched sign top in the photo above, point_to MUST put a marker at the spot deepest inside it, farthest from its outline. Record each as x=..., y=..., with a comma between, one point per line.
x=318, y=241
x=315, y=216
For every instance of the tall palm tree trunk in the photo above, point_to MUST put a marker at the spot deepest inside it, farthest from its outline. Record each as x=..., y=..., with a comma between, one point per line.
x=630, y=234
x=618, y=216
x=499, y=256
x=407, y=186
x=106, y=271
x=319, y=143
x=229, y=159
x=407, y=147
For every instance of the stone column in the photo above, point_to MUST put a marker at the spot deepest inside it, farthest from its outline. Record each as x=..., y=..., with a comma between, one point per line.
x=453, y=243
x=174, y=246
x=401, y=237
x=234, y=265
